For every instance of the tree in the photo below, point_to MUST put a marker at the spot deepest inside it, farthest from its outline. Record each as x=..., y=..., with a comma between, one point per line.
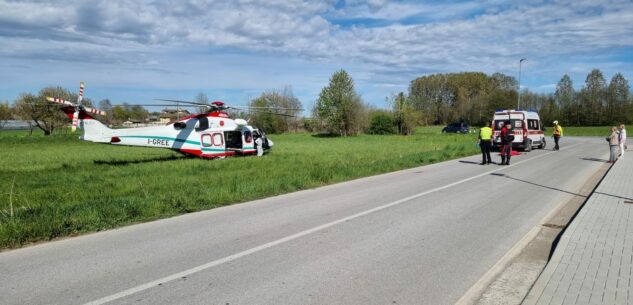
x=549, y=110
x=405, y=116
x=465, y=96
x=5, y=114
x=564, y=98
x=593, y=96
x=138, y=113
x=106, y=105
x=86, y=102
x=339, y=108
x=473, y=96
x=267, y=117
x=121, y=113
x=44, y=115
x=432, y=96
x=503, y=94
x=618, y=100
x=202, y=99
x=469, y=90
x=504, y=82
x=545, y=104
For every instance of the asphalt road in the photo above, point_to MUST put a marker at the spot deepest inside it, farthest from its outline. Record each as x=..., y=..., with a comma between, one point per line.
x=419, y=236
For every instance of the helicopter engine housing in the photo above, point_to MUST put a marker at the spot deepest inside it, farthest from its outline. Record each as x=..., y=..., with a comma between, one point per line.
x=180, y=125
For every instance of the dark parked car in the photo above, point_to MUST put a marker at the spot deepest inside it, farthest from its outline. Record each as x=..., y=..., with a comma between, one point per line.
x=456, y=127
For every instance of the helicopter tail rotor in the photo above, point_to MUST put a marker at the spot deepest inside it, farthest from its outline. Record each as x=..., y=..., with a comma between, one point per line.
x=77, y=108
x=59, y=101
x=80, y=97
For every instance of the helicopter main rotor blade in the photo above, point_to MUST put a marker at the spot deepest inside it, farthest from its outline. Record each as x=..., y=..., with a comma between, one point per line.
x=164, y=105
x=275, y=113
x=187, y=102
x=272, y=108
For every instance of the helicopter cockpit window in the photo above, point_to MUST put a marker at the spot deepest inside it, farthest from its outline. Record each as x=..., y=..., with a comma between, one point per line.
x=203, y=123
x=248, y=137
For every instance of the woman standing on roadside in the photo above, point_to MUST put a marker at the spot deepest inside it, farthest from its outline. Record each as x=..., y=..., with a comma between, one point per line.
x=622, y=140
x=613, y=144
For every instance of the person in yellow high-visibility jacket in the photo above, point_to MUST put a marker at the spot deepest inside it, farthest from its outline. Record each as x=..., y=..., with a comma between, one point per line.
x=485, y=142
x=557, y=134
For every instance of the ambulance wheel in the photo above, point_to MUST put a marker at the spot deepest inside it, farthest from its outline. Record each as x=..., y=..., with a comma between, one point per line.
x=527, y=146
x=542, y=145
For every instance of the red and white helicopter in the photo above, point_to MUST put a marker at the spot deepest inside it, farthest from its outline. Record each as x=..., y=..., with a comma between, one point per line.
x=213, y=134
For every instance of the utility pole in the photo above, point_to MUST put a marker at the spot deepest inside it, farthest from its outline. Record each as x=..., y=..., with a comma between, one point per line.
x=519, y=101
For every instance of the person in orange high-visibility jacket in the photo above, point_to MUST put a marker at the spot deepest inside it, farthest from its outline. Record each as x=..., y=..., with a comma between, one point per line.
x=557, y=134
x=485, y=142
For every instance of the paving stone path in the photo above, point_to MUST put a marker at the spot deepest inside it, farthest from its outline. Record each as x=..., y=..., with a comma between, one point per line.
x=593, y=261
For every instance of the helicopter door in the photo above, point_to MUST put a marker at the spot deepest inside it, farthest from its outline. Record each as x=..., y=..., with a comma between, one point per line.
x=233, y=140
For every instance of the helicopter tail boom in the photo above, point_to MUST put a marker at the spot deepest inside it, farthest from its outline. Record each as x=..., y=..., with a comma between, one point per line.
x=94, y=130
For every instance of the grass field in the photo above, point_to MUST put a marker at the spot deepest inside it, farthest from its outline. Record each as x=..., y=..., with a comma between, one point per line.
x=598, y=131
x=59, y=186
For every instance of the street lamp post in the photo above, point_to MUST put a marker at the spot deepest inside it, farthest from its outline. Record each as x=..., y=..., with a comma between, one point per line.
x=519, y=101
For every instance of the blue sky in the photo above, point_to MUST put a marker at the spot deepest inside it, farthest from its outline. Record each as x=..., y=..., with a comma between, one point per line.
x=136, y=51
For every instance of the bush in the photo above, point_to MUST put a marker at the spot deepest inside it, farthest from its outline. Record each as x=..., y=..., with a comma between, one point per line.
x=381, y=122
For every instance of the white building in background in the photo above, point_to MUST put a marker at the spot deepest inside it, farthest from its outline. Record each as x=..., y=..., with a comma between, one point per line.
x=14, y=125
x=169, y=115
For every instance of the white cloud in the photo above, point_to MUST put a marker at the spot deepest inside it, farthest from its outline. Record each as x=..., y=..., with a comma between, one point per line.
x=33, y=13
x=400, y=10
x=301, y=28
x=487, y=36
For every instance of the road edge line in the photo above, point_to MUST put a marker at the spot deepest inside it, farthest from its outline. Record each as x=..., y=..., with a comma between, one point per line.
x=480, y=286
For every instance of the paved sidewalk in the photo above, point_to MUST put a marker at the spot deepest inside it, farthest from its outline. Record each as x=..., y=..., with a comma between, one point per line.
x=593, y=260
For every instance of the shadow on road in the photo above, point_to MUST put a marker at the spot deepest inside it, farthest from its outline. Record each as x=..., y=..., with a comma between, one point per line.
x=539, y=185
x=594, y=159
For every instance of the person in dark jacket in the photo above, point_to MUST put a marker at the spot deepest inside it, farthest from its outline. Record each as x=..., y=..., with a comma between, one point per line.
x=613, y=144
x=507, y=136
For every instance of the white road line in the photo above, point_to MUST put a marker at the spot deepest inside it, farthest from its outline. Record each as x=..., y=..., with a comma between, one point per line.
x=271, y=244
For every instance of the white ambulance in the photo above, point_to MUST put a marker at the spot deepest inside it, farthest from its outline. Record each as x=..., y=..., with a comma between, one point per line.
x=526, y=126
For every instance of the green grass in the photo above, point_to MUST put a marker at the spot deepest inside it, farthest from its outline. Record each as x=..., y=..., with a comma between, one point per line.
x=64, y=186
x=602, y=131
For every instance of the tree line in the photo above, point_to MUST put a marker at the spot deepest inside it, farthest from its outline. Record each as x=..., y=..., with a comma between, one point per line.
x=434, y=99
x=471, y=97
